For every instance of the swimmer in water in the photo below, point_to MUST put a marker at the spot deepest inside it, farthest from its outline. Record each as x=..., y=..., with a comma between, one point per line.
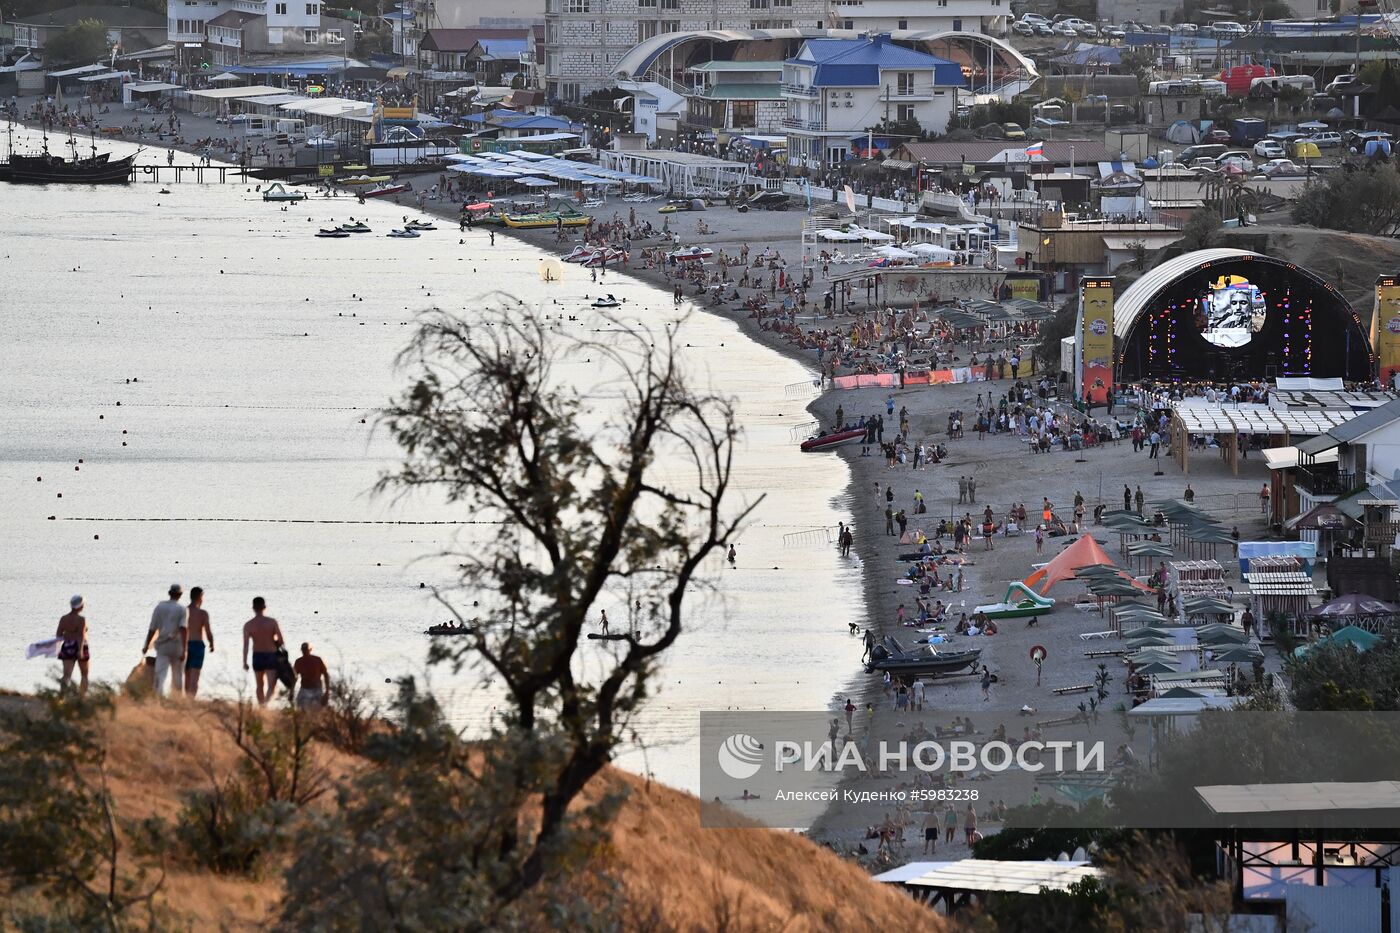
x=733, y=556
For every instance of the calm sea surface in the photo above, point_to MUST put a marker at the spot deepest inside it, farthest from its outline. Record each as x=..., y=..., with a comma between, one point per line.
x=205, y=363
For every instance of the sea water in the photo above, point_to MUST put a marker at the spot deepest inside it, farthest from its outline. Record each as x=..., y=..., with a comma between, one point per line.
x=188, y=384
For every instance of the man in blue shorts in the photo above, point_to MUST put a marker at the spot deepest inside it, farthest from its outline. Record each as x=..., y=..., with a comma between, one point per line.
x=264, y=634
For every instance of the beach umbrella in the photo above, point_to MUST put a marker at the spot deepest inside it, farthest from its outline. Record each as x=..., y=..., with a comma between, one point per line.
x=1208, y=604
x=1237, y=637
x=1355, y=604
x=1097, y=570
x=1150, y=549
x=1144, y=630
x=1151, y=641
x=1239, y=654
x=1148, y=655
x=1157, y=667
x=1142, y=614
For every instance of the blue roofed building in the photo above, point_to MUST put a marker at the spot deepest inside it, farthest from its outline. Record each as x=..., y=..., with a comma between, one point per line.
x=838, y=89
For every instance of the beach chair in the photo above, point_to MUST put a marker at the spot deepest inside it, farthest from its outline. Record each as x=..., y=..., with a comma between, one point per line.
x=1090, y=636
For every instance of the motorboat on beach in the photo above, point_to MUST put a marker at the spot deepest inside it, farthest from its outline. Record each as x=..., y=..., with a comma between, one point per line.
x=564, y=216
x=333, y=234
x=1021, y=601
x=691, y=254
x=607, y=301
x=602, y=257
x=380, y=191
x=358, y=181
x=420, y=225
x=833, y=439
x=925, y=661
x=579, y=254
x=404, y=234
x=278, y=192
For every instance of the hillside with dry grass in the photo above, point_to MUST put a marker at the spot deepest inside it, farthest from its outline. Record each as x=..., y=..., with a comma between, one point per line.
x=673, y=873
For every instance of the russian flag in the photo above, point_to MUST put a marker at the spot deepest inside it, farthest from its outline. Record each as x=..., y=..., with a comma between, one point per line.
x=1036, y=149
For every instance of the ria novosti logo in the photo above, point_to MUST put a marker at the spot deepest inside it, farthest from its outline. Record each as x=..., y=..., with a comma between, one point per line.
x=740, y=756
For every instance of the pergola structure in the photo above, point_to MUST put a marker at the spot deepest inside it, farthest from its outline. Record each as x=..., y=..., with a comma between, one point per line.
x=1192, y=417
x=684, y=173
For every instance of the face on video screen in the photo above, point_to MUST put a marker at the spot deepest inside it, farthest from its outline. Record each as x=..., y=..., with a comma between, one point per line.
x=1231, y=312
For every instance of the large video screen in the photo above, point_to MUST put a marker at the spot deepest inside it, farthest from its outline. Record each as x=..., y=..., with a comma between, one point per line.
x=1231, y=312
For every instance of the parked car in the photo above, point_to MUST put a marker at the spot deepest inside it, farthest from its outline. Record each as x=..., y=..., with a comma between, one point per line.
x=1186, y=29
x=1217, y=135
x=1329, y=139
x=1357, y=139
x=1269, y=149
x=1044, y=29
x=1033, y=18
x=1065, y=29
x=1077, y=24
x=1243, y=159
x=1280, y=168
x=1203, y=165
x=1023, y=29
x=1339, y=82
x=1227, y=29
x=321, y=142
x=1087, y=30
x=1013, y=131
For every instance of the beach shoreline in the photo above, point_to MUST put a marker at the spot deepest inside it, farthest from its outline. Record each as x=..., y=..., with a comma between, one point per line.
x=1006, y=472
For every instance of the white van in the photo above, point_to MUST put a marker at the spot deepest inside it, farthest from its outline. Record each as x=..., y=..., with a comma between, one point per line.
x=1272, y=85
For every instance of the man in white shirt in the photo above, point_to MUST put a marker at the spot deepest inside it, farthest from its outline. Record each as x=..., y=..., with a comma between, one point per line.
x=170, y=634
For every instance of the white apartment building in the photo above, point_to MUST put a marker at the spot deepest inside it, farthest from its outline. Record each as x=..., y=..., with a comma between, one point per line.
x=837, y=89
x=233, y=30
x=990, y=17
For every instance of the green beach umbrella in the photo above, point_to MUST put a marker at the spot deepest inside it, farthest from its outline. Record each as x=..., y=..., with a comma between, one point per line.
x=1157, y=667
x=1238, y=654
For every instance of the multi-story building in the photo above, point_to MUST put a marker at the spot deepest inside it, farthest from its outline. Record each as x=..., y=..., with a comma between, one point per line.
x=236, y=31
x=984, y=16
x=837, y=89
x=585, y=39
x=131, y=28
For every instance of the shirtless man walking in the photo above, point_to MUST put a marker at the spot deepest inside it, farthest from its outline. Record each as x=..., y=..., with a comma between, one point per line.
x=265, y=635
x=72, y=628
x=200, y=636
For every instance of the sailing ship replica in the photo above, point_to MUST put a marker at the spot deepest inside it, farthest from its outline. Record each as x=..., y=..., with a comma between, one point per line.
x=46, y=168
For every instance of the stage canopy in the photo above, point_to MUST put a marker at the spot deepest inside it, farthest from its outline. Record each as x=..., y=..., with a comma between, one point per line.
x=1229, y=314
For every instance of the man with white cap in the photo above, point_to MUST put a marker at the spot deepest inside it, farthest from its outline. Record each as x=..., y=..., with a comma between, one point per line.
x=72, y=628
x=170, y=633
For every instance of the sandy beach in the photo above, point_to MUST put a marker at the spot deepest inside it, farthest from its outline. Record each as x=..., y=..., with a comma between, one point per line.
x=1006, y=473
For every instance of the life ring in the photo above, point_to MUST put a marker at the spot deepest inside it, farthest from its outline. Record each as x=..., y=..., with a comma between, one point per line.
x=148, y=169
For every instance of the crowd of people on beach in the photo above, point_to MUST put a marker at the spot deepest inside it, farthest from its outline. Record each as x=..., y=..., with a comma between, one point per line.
x=179, y=638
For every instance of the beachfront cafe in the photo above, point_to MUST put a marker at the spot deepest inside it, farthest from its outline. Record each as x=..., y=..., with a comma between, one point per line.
x=1323, y=878
x=533, y=170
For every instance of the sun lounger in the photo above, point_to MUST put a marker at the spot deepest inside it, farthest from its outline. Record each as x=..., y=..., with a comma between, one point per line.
x=1077, y=688
x=1088, y=636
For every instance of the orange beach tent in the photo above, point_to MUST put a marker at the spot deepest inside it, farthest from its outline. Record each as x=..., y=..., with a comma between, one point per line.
x=1083, y=553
